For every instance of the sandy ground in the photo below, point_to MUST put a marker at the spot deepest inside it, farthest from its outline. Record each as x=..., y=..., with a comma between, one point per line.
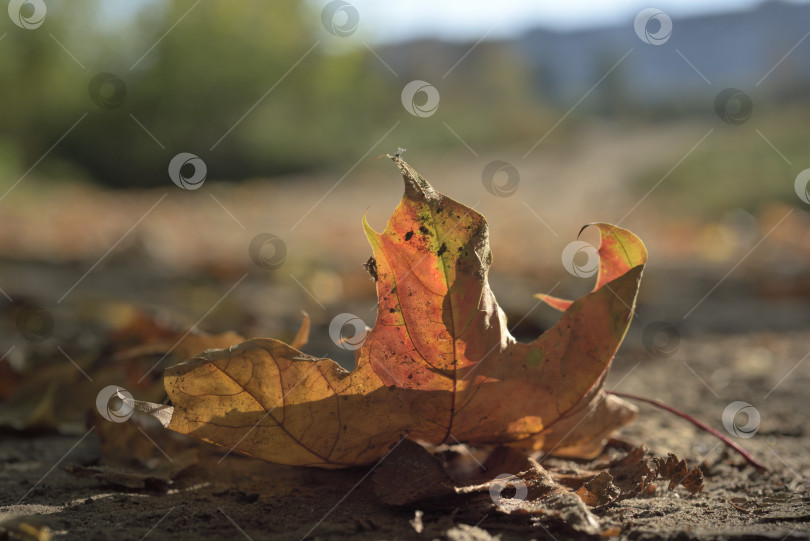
x=246, y=497
x=741, y=322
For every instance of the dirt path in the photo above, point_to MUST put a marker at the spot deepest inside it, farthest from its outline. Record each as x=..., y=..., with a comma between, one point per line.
x=747, y=342
x=245, y=497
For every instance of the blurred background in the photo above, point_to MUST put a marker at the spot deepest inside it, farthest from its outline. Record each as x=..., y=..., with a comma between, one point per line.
x=213, y=160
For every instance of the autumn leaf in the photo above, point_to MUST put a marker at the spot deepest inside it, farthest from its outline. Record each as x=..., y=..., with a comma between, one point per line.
x=439, y=365
x=142, y=334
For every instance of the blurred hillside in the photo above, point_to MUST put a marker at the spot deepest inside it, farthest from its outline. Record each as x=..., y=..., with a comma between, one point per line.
x=703, y=55
x=692, y=141
x=263, y=89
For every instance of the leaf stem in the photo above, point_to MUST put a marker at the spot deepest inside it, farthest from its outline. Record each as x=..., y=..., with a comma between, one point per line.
x=700, y=424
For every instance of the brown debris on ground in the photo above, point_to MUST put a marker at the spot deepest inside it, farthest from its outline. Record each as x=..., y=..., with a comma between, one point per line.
x=123, y=475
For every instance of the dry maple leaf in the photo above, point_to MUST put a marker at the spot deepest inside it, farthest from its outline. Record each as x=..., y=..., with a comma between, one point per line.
x=439, y=365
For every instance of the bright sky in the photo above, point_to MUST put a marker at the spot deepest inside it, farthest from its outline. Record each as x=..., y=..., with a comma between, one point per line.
x=396, y=20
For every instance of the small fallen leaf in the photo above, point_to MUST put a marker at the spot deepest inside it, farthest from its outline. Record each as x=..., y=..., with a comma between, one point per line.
x=55, y=391
x=693, y=482
x=546, y=497
x=678, y=473
x=439, y=365
x=599, y=491
x=632, y=473
x=672, y=468
x=47, y=401
x=143, y=334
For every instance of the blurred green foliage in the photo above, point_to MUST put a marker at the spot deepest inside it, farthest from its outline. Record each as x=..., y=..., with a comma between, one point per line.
x=194, y=72
x=260, y=88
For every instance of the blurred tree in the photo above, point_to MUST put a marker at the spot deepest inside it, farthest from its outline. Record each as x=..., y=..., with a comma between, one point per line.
x=252, y=87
